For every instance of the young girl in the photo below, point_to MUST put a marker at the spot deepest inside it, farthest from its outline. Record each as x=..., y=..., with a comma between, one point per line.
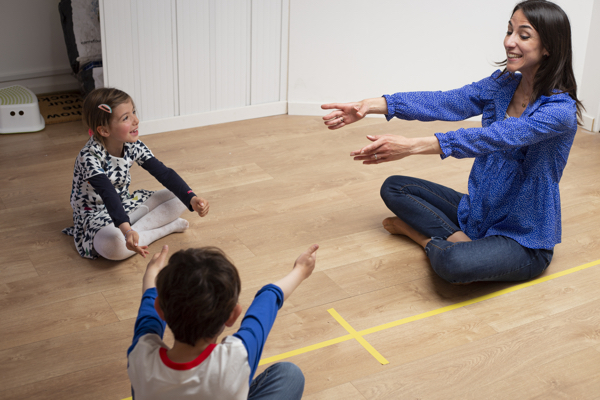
x=108, y=220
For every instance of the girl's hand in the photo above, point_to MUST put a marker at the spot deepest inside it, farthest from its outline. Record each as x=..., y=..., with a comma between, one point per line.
x=200, y=205
x=131, y=242
x=344, y=114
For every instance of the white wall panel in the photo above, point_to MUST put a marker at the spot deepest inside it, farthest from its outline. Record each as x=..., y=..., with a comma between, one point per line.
x=283, y=64
x=189, y=57
x=194, y=66
x=231, y=53
x=139, y=54
x=117, y=47
x=266, y=51
x=158, y=84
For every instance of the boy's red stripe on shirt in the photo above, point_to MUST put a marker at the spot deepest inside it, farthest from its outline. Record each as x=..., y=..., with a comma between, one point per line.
x=188, y=365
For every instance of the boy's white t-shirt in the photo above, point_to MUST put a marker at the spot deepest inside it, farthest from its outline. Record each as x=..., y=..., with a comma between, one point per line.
x=220, y=372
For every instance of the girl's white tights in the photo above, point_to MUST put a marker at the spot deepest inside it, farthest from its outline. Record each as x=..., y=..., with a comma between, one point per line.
x=156, y=218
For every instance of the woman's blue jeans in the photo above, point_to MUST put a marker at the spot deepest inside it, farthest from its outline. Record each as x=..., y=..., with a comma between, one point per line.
x=283, y=380
x=431, y=209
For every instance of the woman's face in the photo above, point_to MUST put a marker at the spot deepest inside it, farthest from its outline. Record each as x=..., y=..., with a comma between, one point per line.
x=524, y=50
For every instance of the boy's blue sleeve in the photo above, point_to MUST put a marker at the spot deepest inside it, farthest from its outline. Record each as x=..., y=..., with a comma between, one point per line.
x=147, y=320
x=257, y=323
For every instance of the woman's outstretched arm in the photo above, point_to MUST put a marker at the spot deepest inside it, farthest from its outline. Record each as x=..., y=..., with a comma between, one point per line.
x=395, y=147
x=347, y=113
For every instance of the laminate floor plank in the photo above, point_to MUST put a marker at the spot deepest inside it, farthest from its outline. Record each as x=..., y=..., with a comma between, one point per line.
x=470, y=369
x=89, y=383
x=40, y=323
x=543, y=300
x=341, y=392
x=43, y=290
x=566, y=378
x=14, y=267
x=275, y=186
x=61, y=355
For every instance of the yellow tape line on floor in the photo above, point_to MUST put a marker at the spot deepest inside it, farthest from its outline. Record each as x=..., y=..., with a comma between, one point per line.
x=359, y=335
x=427, y=314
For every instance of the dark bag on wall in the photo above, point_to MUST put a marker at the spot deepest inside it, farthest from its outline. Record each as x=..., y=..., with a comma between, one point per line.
x=80, y=20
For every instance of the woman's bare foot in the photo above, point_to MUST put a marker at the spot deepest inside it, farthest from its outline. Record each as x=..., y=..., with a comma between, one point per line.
x=396, y=226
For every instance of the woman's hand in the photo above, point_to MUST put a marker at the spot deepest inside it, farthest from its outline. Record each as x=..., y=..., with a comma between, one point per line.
x=131, y=242
x=200, y=205
x=347, y=113
x=344, y=114
x=394, y=147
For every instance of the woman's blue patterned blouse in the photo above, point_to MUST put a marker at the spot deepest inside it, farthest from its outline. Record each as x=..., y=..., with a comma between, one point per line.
x=513, y=185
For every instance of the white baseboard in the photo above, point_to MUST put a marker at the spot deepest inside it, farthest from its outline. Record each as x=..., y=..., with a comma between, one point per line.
x=46, y=84
x=588, y=123
x=212, y=118
x=34, y=73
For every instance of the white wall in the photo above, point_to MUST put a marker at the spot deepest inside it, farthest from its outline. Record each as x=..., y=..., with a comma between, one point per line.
x=33, y=51
x=589, y=86
x=347, y=50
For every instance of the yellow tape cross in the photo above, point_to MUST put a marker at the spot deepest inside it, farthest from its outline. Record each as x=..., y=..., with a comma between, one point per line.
x=427, y=314
x=358, y=337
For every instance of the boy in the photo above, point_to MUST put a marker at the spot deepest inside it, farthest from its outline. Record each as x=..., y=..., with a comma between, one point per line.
x=197, y=295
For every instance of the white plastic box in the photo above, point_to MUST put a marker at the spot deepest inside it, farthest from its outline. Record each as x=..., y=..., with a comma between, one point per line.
x=19, y=110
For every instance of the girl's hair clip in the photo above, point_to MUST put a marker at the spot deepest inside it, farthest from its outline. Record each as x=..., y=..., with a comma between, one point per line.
x=91, y=132
x=106, y=108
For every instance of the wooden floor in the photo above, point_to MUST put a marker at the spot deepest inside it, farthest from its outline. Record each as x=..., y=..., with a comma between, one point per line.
x=275, y=186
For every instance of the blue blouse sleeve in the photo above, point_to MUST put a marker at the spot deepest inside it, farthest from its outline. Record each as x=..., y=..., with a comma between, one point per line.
x=257, y=323
x=452, y=105
x=556, y=115
x=147, y=320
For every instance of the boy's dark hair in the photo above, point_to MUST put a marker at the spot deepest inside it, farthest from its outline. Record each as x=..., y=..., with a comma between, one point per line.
x=197, y=291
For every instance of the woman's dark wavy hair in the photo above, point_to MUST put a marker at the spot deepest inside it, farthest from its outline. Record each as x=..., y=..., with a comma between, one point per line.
x=197, y=291
x=556, y=69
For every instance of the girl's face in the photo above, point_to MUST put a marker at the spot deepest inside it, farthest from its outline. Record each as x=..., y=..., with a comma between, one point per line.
x=524, y=50
x=123, y=126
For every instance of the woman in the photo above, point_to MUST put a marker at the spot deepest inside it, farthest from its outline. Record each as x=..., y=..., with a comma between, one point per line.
x=505, y=229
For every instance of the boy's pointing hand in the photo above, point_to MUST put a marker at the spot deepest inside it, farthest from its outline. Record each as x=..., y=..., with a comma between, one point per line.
x=306, y=261
x=158, y=262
